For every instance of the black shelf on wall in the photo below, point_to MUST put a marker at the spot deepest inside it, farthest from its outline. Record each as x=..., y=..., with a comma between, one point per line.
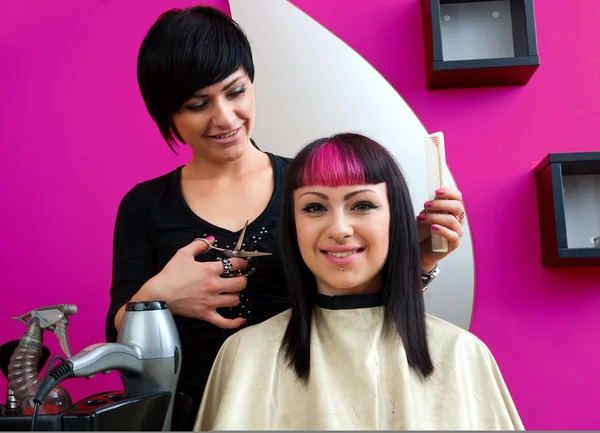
x=568, y=196
x=475, y=43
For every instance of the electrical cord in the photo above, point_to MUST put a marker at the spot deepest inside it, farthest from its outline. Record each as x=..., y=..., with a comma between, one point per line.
x=37, y=403
x=50, y=365
x=36, y=407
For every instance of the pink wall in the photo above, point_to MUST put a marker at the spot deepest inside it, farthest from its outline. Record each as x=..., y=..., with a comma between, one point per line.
x=77, y=138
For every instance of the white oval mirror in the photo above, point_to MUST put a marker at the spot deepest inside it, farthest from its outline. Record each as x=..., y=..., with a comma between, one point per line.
x=310, y=84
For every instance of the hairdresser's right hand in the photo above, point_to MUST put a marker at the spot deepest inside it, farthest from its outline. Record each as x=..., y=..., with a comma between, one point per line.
x=196, y=289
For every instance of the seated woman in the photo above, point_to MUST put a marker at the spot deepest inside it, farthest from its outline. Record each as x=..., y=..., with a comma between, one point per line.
x=356, y=350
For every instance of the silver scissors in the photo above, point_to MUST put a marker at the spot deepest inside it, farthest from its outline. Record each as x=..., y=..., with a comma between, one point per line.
x=237, y=252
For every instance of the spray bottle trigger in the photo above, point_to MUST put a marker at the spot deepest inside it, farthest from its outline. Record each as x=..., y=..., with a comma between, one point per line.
x=26, y=318
x=60, y=330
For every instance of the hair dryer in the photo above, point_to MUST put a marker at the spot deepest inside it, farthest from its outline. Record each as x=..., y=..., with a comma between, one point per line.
x=147, y=354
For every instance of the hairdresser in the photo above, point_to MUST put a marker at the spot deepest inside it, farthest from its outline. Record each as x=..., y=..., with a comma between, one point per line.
x=195, y=73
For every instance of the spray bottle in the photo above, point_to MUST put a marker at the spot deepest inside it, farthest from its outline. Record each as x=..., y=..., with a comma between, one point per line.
x=23, y=376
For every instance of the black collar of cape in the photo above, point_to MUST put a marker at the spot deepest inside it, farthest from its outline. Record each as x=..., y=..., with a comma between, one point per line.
x=349, y=302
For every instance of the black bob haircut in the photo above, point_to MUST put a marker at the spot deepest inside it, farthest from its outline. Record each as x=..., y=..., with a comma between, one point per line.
x=186, y=50
x=401, y=289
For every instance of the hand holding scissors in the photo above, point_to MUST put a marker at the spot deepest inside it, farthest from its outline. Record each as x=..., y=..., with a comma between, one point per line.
x=197, y=289
x=237, y=252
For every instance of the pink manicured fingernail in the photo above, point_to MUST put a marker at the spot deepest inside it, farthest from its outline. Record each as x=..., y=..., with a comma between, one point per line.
x=422, y=217
x=428, y=204
x=210, y=238
x=435, y=227
x=440, y=192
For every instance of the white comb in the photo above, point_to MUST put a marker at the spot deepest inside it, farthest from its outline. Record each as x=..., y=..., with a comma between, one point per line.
x=435, y=161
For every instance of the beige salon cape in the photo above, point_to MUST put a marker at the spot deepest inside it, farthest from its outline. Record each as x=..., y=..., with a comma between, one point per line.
x=359, y=379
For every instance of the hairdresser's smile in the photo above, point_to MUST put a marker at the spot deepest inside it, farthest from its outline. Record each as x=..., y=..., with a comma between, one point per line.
x=227, y=137
x=343, y=235
x=216, y=122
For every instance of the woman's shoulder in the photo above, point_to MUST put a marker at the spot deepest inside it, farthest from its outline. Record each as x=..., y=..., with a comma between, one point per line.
x=145, y=191
x=282, y=161
x=262, y=336
x=445, y=337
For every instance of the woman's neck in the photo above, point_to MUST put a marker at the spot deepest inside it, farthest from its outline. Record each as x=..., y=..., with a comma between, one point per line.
x=369, y=287
x=201, y=168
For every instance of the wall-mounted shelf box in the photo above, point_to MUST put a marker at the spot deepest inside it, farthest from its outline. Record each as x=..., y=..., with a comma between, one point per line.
x=474, y=43
x=568, y=196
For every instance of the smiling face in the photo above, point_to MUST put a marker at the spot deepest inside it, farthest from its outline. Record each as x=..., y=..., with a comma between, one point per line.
x=358, y=214
x=216, y=122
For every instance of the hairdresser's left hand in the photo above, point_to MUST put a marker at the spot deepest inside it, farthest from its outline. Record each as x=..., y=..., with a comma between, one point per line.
x=446, y=215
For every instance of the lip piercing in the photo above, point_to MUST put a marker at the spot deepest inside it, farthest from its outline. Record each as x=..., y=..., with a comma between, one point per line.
x=342, y=268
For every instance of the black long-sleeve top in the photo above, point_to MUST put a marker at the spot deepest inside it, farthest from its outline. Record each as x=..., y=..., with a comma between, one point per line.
x=153, y=222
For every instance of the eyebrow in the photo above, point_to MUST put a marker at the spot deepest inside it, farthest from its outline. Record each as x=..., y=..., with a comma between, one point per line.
x=227, y=86
x=346, y=197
